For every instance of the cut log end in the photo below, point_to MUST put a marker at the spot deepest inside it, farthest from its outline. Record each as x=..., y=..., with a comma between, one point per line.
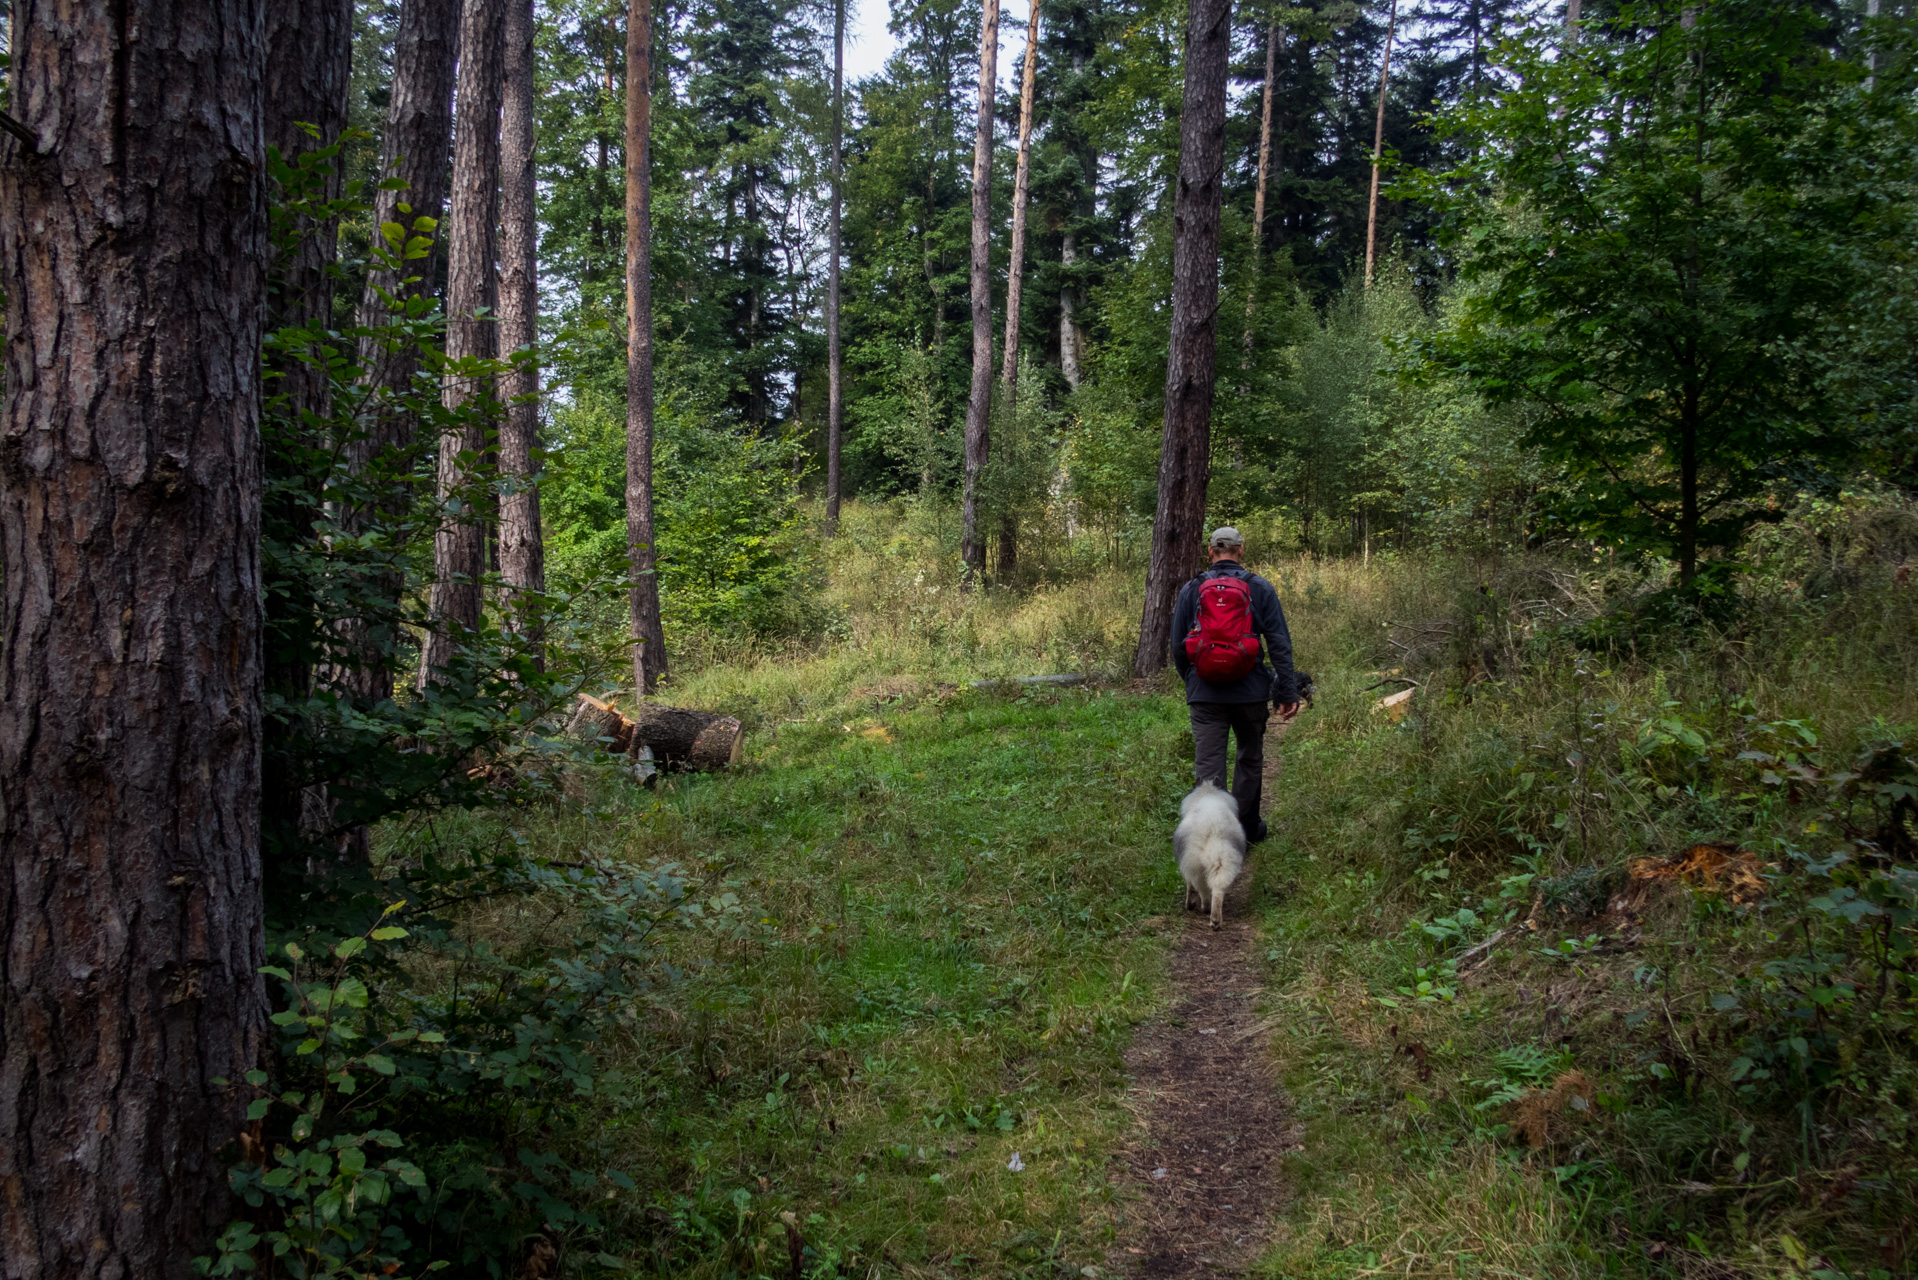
x=678, y=737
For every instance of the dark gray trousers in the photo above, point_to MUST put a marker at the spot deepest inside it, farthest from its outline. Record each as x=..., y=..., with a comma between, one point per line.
x=1245, y=721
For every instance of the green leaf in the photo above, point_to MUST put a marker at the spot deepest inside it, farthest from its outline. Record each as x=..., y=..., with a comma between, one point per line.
x=349, y=948
x=389, y=933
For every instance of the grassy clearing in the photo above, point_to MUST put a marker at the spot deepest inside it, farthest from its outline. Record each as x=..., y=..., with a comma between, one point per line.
x=929, y=932
x=931, y=916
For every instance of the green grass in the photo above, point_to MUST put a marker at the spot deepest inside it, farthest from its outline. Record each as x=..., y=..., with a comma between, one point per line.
x=939, y=954
x=935, y=915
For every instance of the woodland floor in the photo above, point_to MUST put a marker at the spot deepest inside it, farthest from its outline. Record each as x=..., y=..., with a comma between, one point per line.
x=1215, y=1121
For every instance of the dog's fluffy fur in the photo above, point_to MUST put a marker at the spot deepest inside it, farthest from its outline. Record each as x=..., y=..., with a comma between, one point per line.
x=1210, y=847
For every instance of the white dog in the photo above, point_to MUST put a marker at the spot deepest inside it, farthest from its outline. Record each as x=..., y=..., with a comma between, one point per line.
x=1210, y=847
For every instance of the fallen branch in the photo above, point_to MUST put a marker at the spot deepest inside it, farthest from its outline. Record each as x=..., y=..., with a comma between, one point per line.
x=1479, y=949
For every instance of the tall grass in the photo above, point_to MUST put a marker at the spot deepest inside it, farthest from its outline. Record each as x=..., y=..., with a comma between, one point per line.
x=930, y=915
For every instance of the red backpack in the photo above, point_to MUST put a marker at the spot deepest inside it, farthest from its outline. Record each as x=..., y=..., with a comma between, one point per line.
x=1223, y=646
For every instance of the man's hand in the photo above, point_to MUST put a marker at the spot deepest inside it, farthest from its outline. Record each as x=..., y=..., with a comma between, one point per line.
x=1287, y=710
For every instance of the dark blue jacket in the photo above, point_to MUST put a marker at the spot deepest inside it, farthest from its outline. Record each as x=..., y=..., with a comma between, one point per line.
x=1277, y=681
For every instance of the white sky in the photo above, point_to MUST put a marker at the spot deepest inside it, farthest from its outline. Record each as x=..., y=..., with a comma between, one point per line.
x=868, y=43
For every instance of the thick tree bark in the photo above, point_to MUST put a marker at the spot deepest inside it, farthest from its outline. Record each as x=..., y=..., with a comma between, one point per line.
x=1184, y=460
x=472, y=288
x=522, y=556
x=309, y=58
x=132, y=254
x=649, y=636
x=972, y=543
x=1378, y=145
x=835, y=403
x=418, y=144
x=417, y=151
x=1015, y=270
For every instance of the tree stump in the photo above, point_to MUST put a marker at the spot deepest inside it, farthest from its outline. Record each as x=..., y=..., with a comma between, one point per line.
x=679, y=737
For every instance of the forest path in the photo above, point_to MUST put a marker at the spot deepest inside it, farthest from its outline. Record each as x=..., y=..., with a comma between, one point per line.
x=1203, y=1084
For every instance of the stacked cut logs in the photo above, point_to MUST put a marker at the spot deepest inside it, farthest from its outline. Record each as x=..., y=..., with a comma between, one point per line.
x=679, y=737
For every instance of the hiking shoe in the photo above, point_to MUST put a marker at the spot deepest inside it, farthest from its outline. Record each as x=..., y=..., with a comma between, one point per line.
x=1257, y=834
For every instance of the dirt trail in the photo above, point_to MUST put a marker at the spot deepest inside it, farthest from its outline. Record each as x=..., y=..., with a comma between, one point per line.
x=1215, y=1121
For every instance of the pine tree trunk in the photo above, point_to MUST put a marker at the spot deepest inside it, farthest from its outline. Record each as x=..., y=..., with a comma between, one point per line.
x=1184, y=460
x=472, y=287
x=1015, y=266
x=1378, y=146
x=1258, y=192
x=418, y=145
x=309, y=58
x=132, y=255
x=835, y=404
x=649, y=637
x=972, y=543
x=522, y=556
x=418, y=142
x=1015, y=271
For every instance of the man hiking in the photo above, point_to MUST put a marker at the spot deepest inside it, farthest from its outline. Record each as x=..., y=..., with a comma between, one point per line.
x=1217, y=626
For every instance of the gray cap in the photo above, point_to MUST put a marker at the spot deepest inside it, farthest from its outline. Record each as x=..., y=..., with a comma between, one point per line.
x=1226, y=536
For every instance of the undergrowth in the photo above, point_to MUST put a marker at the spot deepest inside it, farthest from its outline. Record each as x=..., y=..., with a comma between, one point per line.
x=858, y=1008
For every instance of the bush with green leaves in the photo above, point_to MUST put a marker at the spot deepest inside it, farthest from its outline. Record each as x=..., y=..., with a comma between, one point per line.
x=347, y=561
x=433, y=1098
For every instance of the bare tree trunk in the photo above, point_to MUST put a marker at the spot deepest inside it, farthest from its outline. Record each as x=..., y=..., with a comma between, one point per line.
x=419, y=135
x=309, y=57
x=472, y=287
x=1258, y=192
x=1184, y=460
x=649, y=636
x=133, y=250
x=835, y=405
x=1378, y=145
x=1071, y=356
x=1015, y=271
x=522, y=555
x=972, y=544
x=1015, y=267
x=1871, y=54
